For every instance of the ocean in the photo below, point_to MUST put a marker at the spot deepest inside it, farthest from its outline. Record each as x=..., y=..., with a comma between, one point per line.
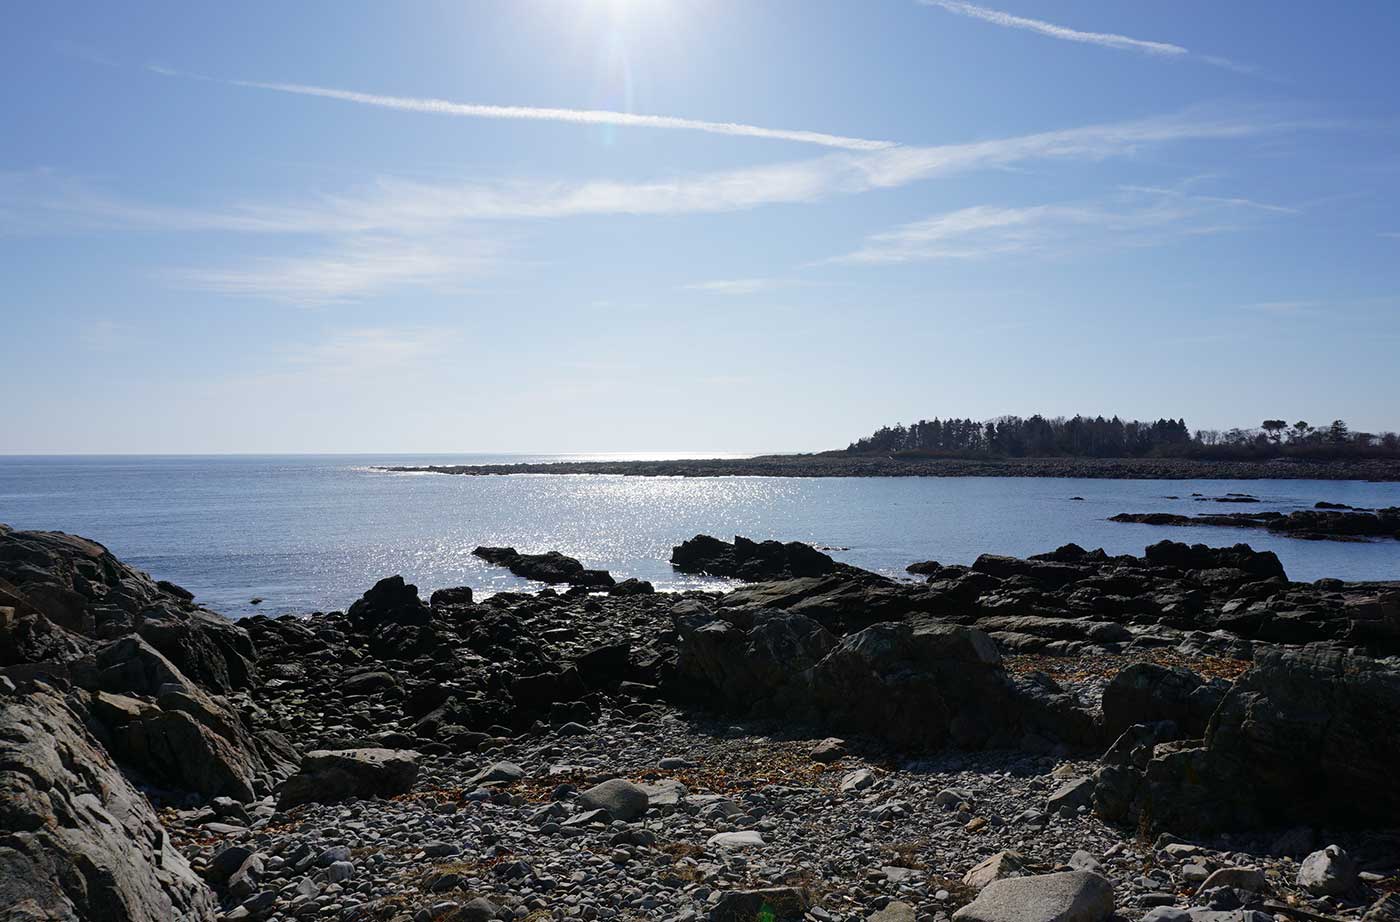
x=312, y=532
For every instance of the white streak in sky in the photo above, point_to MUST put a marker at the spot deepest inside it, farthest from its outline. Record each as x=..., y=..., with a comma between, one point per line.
x=575, y=116
x=1106, y=39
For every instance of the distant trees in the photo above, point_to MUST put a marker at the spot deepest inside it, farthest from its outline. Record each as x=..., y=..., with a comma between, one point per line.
x=1097, y=437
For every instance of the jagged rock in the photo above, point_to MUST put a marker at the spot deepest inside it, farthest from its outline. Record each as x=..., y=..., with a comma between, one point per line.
x=1261, y=564
x=746, y=669
x=328, y=776
x=551, y=567
x=1145, y=693
x=80, y=588
x=1069, y=896
x=79, y=841
x=391, y=600
x=1299, y=726
x=750, y=560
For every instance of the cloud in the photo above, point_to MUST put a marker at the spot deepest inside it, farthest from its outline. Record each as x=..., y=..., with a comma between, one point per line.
x=1137, y=217
x=356, y=268
x=737, y=286
x=372, y=349
x=550, y=114
x=1103, y=39
x=1106, y=39
x=392, y=205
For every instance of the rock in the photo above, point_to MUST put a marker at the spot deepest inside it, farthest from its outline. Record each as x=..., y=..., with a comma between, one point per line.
x=1250, y=880
x=622, y=799
x=785, y=904
x=455, y=595
x=551, y=567
x=750, y=560
x=1328, y=872
x=327, y=776
x=1071, y=796
x=858, y=780
x=83, y=593
x=894, y=911
x=748, y=838
x=496, y=773
x=1292, y=731
x=831, y=749
x=477, y=910
x=1069, y=896
x=1145, y=693
x=632, y=586
x=79, y=841
x=1001, y=865
x=390, y=600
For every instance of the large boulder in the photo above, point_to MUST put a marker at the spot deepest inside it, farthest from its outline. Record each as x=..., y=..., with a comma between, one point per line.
x=1297, y=728
x=390, y=600
x=79, y=587
x=745, y=669
x=328, y=776
x=1069, y=896
x=78, y=841
x=1146, y=693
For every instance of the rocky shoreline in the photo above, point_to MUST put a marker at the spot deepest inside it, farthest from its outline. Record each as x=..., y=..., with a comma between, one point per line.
x=1324, y=522
x=1185, y=736
x=837, y=464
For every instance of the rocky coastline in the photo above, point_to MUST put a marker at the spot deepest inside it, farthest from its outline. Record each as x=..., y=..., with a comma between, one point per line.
x=840, y=464
x=1325, y=522
x=1182, y=736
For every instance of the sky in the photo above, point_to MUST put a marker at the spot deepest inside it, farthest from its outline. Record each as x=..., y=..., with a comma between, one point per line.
x=607, y=225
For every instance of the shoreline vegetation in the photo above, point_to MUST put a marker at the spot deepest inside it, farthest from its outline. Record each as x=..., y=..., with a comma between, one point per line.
x=1039, y=446
x=840, y=464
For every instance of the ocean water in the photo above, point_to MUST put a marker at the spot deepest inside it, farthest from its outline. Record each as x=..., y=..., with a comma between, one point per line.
x=307, y=533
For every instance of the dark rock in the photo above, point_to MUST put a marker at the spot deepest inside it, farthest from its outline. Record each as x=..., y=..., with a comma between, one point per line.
x=456, y=595
x=79, y=842
x=781, y=904
x=551, y=567
x=330, y=776
x=390, y=600
x=1146, y=693
x=750, y=560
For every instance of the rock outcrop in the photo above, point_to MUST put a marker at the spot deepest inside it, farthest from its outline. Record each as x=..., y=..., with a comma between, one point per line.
x=77, y=841
x=78, y=587
x=751, y=560
x=551, y=567
x=329, y=776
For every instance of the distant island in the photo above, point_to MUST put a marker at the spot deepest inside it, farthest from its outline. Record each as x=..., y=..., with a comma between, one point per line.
x=1038, y=446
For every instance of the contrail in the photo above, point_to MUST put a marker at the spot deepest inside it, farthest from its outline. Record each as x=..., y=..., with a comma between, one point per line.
x=576, y=116
x=1107, y=39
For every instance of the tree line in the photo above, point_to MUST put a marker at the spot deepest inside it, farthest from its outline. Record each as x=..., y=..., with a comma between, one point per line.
x=1097, y=437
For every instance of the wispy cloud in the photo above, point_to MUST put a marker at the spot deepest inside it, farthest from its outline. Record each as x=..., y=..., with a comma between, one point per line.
x=552, y=114
x=738, y=286
x=1103, y=39
x=1138, y=217
x=400, y=206
x=1106, y=39
x=371, y=349
x=352, y=269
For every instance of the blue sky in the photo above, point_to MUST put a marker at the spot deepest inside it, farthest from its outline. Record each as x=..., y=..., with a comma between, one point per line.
x=662, y=224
